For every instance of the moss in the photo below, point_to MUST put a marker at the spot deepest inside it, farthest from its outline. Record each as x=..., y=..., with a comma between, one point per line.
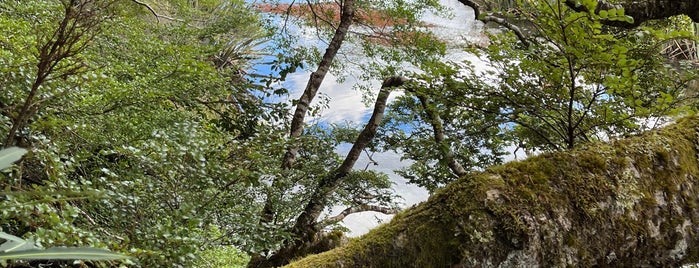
x=567, y=209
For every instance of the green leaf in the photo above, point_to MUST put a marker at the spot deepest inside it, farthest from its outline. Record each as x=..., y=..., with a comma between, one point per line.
x=14, y=243
x=10, y=155
x=18, y=248
x=10, y=237
x=63, y=254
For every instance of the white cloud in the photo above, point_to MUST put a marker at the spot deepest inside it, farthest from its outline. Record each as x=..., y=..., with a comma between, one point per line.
x=345, y=103
x=458, y=28
x=360, y=223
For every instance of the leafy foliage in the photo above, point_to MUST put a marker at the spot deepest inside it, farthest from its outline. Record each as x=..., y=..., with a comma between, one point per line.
x=573, y=81
x=17, y=248
x=130, y=150
x=151, y=129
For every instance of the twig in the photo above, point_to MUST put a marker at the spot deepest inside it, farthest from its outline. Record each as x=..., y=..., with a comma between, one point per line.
x=355, y=209
x=157, y=16
x=371, y=160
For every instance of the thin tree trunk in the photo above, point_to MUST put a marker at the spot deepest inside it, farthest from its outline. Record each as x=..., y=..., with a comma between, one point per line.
x=314, y=82
x=78, y=26
x=329, y=184
x=438, y=132
x=306, y=227
x=316, y=79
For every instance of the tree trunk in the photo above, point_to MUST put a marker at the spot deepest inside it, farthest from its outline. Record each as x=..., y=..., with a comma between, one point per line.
x=306, y=229
x=314, y=81
x=309, y=93
x=79, y=25
x=447, y=155
x=629, y=203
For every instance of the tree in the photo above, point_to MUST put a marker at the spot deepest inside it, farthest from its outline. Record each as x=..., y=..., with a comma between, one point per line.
x=640, y=11
x=57, y=57
x=474, y=213
x=564, y=90
x=118, y=108
x=428, y=126
x=304, y=226
x=569, y=81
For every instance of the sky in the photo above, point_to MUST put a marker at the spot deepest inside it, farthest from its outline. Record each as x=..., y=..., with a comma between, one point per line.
x=345, y=105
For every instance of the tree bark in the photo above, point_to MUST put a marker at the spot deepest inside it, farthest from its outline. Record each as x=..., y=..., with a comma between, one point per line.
x=309, y=93
x=629, y=203
x=306, y=227
x=438, y=132
x=641, y=11
x=317, y=78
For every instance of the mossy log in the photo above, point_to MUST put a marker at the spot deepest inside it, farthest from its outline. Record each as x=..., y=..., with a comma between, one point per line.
x=626, y=203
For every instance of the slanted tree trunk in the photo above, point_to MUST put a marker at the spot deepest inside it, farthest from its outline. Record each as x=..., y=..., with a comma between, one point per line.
x=628, y=203
x=314, y=81
x=446, y=154
x=306, y=229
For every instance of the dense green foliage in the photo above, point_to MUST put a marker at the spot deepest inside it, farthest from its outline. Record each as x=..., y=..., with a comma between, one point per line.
x=128, y=129
x=558, y=209
x=158, y=128
x=571, y=81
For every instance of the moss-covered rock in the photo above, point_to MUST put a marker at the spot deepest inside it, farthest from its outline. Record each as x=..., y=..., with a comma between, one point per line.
x=627, y=203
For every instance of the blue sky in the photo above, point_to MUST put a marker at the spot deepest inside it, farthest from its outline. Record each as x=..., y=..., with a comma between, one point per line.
x=346, y=103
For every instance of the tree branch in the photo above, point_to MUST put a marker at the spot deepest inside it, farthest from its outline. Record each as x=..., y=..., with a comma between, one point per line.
x=438, y=131
x=644, y=10
x=478, y=10
x=508, y=25
x=155, y=14
x=639, y=10
x=356, y=209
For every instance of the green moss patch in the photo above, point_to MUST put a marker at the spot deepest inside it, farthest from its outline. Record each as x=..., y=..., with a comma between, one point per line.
x=629, y=202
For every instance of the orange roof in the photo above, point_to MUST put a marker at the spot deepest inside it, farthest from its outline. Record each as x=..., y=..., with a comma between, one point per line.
x=379, y=24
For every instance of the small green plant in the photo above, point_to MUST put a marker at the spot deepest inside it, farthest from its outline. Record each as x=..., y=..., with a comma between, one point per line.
x=18, y=248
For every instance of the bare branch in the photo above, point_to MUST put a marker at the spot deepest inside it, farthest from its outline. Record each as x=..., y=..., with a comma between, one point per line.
x=155, y=14
x=371, y=160
x=356, y=209
x=510, y=26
